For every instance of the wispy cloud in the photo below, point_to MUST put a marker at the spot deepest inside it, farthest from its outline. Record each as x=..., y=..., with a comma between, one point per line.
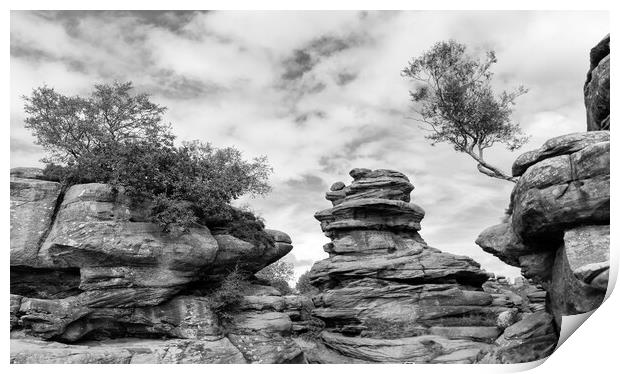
x=317, y=92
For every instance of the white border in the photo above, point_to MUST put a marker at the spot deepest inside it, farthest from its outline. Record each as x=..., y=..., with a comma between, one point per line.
x=592, y=348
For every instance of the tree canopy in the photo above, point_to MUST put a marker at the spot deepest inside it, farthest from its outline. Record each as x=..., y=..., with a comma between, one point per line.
x=70, y=127
x=278, y=275
x=117, y=137
x=456, y=103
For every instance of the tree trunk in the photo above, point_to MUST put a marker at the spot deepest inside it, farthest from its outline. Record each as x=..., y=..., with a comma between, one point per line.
x=490, y=170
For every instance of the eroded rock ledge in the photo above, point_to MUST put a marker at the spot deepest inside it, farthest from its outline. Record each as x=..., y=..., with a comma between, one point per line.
x=386, y=296
x=558, y=231
x=93, y=281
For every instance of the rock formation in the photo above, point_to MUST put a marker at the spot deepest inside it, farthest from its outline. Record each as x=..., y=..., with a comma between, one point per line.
x=596, y=88
x=93, y=281
x=558, y=231
x=386, y=296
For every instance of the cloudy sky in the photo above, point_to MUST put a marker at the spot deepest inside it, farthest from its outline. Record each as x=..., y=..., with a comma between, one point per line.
x=318, y=93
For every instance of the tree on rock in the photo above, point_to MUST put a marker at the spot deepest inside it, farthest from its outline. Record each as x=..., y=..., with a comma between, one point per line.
x=457, y=104
x=117, y=137
x=71, y=127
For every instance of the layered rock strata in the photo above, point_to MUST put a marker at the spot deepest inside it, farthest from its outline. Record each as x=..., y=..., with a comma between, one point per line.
x=184, y=329
x=386, y=296
x=93, y=280
x=558, y=231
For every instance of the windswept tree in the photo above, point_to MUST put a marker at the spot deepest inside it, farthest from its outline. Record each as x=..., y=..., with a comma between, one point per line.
x=118, y=137
x=456, y=103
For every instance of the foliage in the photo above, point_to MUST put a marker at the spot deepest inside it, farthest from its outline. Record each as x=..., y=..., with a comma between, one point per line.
x=172, y=214
x=282, y=286
x=242, y=223
x=458, y=104
x=119, y=138
x=304, y=286
x=70, y=127
x=278, y=275
x=229, y=294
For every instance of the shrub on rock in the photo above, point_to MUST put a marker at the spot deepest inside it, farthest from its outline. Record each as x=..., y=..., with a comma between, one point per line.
x=119, y=138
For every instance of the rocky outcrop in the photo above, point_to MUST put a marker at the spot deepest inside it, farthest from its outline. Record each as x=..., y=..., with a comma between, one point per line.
x=596, y=88
x=580, y=272
x=259, y=331
x=386, y=296
x=532, y=338
x=33, y=205
x=563, y=186
x=127, y=351
x=563, y=190
x=94, y=281
x=558, y=231
x=236, y=253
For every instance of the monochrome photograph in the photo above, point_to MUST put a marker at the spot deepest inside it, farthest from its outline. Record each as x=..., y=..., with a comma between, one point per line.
x=306, y=186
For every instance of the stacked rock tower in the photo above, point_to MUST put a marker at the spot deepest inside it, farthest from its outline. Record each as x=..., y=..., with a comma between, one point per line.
x=386, y=296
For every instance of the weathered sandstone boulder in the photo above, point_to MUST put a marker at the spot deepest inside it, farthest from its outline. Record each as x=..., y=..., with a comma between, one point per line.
x=558, y=146
x=530, y=339
x=562, y=191
x=127, y=351
x=94, y=240
x=33, y=205
x=580, y=271
x=234, y=253
x=369, y=184
x=558, y=232
x=522, y=296
x=501, y=242
x=89, y=268
x=260, y=328
x=263, y=326
x=413, y=349
x=559, y=229
x=386, y=296
x=124, y=259
x=596, y=88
